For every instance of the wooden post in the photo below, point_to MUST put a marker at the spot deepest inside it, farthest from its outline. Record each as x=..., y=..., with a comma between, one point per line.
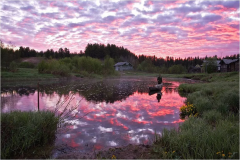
x=38, y=96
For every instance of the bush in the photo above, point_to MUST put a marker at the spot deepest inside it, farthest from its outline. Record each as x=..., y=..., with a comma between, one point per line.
x=108, y=67
x=53, y=67
x=26, y=65
x=188, y=110
x=22, y=131
x=43, y=67
x=177, y=69
x=147, y=66
x=88, y=64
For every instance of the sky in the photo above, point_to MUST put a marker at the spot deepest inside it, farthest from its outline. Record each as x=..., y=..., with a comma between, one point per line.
x=179, y=28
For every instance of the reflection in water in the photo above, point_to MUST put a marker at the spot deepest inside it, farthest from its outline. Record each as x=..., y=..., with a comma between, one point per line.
x=159, y=95
x=122, y=111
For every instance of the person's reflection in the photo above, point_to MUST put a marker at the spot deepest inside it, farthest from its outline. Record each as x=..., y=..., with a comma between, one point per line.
x=159, y=96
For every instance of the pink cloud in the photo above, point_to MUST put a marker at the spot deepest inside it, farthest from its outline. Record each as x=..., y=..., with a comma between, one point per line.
x=177, y=33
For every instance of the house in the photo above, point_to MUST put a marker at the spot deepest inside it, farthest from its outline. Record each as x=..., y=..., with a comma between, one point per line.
x=229, y=65
x=121, y=66
x=196, y=69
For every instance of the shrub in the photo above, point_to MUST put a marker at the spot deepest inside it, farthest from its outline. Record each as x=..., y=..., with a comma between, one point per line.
x=147, y=66
x=91, y=65
x=43, y=67
x=108, y=67
x=53, y=67
x=188, y=110
x=26, y=65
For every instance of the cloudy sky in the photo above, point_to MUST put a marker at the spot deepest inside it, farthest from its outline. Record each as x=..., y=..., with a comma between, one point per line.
x=179, y=28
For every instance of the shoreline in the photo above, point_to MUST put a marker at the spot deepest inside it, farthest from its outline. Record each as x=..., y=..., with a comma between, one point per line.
x=130, y=151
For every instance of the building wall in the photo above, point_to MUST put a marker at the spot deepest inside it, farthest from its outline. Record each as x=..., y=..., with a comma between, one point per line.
x=223, y=68
x=123, y=68
x=232, y=67
x=237, y=66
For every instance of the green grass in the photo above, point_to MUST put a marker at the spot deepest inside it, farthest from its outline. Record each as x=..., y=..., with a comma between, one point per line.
x=223, y=76
x=196, y=139
x=27, y=134
x=214, y=133
x=137, y=73
x=25, y=74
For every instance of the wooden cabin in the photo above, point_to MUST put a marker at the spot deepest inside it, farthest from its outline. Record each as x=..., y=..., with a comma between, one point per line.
x=122, y=66
x=229, y=65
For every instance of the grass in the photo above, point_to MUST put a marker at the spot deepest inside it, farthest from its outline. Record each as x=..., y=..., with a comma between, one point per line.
x=214, y=132
x=31, y=135
x=25, y=74
x=196, y=139
x=213, y=77
x=138, y=73
x=27, y=134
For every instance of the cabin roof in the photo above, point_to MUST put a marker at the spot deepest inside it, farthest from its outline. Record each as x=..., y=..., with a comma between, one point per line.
x=228, y=61
x=122, y=63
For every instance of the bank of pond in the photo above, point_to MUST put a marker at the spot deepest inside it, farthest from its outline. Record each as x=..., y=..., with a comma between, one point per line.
x=210, y=129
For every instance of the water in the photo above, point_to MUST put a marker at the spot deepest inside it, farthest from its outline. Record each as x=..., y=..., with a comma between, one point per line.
x=113, y=112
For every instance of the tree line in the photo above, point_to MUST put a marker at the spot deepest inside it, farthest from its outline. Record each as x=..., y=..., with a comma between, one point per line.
x=100, y=51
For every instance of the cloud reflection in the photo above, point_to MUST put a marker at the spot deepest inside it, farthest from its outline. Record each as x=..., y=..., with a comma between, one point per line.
x=133, y=119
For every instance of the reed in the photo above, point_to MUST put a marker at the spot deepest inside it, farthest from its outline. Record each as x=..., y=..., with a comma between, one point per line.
x=24, y=131
x=32, y=134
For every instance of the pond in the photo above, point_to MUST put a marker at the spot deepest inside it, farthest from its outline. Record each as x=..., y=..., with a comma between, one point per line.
x=111, y=112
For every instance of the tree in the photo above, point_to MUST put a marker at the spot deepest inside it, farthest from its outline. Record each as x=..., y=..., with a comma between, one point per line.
x=210, y=65
x=60, y=53
x=177, y=69
x=66, y=53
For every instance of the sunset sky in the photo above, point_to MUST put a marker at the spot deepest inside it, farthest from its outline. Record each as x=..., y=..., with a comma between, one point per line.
x=177, y=28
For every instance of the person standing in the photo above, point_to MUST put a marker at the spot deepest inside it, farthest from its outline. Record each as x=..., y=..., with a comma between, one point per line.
x=159, y=79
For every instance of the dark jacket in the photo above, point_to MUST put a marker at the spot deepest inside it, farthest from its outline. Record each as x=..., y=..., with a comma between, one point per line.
x=159, y=79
